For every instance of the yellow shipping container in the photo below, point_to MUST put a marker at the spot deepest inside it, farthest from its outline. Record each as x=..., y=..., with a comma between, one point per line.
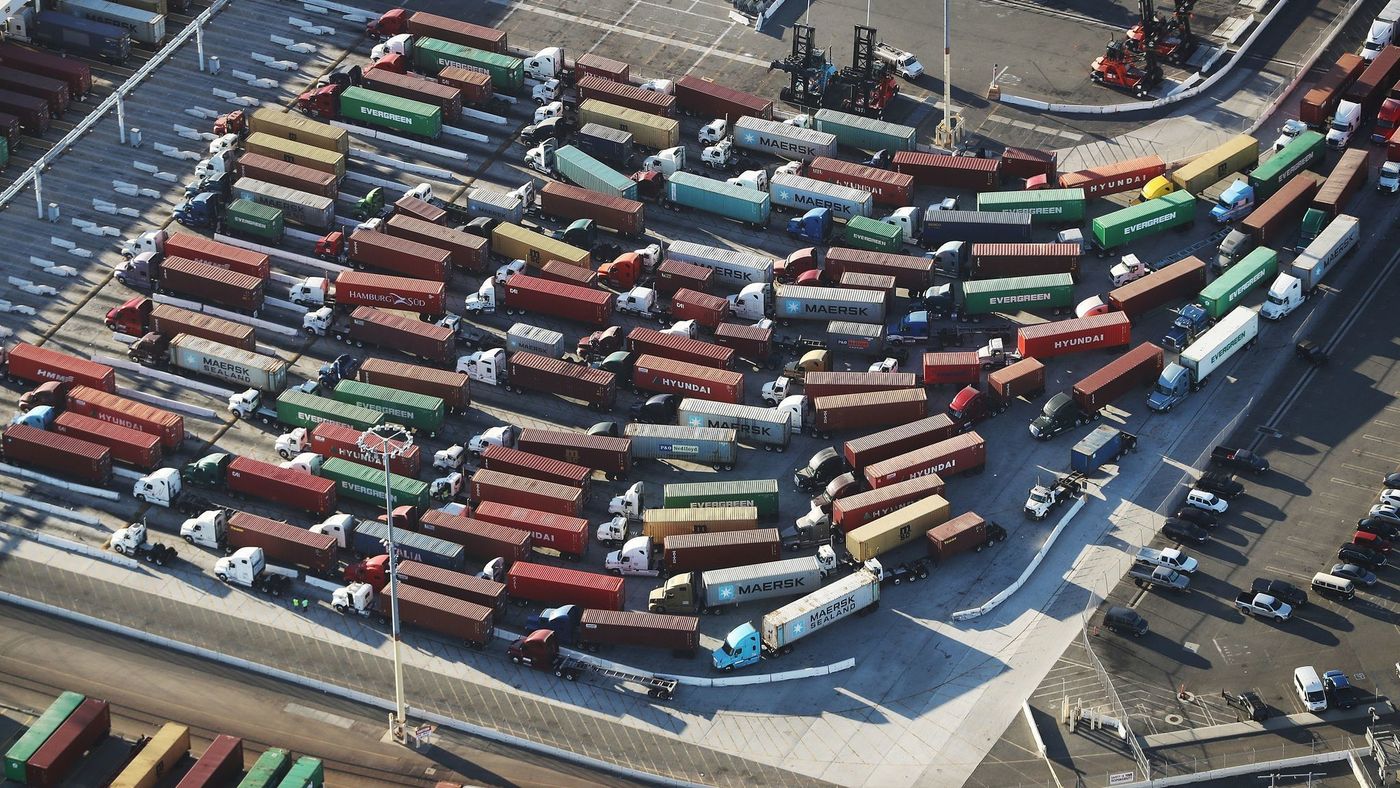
x=297, y=128
x=516, y=243
x=661, y=523
x=157, y=759
x=649, y=131
x=319, y=159
x=896, y=528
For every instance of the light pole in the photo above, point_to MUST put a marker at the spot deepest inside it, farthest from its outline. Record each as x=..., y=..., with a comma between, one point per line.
x=949, y=132
x=390, y=441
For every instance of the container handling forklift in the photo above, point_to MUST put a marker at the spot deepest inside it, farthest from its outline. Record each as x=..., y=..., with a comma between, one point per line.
x=1134, y=64
x=865, y=88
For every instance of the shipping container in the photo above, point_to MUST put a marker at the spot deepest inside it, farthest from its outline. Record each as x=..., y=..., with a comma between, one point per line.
x=9, y=133
x=253, y=220
x=87, y=726
x=1138, y=367
x=465, y=251
x=1062, y=337
x=410, y=206
x=593, y=65
x=38, y=733
x=797, y=302
x=531, y=372
x=739, y=203
x=860, y=338
x=1237, y=154
x=413, y=410
x=1380, y=75
x=421, y=23
x=82, y=37
x=625, y=216
x=157, y=760
x=1025, y=378
x=766, y=427
x=612, y=456
x=522, y=463
x=877, y=283
x=872, y=234
x=1305, y=151
x=1178, y=281
x=371, y=537
x=709, y=99
x=514, y=242
x=854, y=511
x=521, y=337
x=882, y=445
x=580, y=168
x=605, y=145
x=475, y=85
x=139, y=316
x=32, y=111
x=667, y=376
x=330, y=439
x=1177, y=209
x=782, y=140
x=899, y=527
x=458, y=585
x=169, y=427
x=1000, y=261
x=1349, y=174
x=446, y=98
x=967, y=531
x=1281, y=213
x=752, y=343
x=220, y=765
x=397, y=255
x=227, y=364
x=886, y=186
x=661, y=523
x=268, y=769
x=309, y=772
x=553, y=586
x=1115, y=178
x=1028, y=163
x=284, y=544
x=673, y=275
x=356, y=288
x=218, y=254
x=626, y=95
x=287, y=486
x=722, y=550
x=1226, y=291
x=454, y=618
x=649, y=341
x=284, y=124
x=862, y=133
x=296, y=408
x=831, y=384
x=760, y=494
x=717, y=448
x=910, y=272
x=74, y=72
x=208, y=283
x=495, y=204
x=53, y=91
x=1047, y=291
x=283, y=173
x=304, y=153
x=128, y=446
x=560, y=533
x=960, y=454
x=431, y=55
x=1045, y=206
x=705, y=309
x=734, y=270
x=868, y=410
x=954, y=172
x=956, y=368
x=36, y=364
x=489, y=485
x=973, y=226
x=647, y=130
x=680, y=634
x=393, y=330
x=801, y=194
x=366, y=484
x=1318, y=104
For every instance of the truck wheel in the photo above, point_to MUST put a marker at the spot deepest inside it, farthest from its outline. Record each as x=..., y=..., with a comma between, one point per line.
x=223, y=578
x=120, y=550
x=516, y=660
x=342, y=609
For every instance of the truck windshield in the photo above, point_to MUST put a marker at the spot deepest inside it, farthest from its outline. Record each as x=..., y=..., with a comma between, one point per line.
x=1162, y=388
x=1342, y=126
x=1385, y=123
x=1039, y=496
x=1273, y=299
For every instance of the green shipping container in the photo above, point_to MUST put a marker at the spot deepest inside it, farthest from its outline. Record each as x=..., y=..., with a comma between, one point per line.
x=4, y=153
x=255, y=219
x=21, y=751
x=870, y=134
x=739, y=203
x=1177, y=209
x=406, y=116
x=587, y=172
x=364, y=483
x=307, y=772
x=1306, y=150
x=268, y=769
x=299, y=409
x=417, y=411
x=1228, y=289
x=759, y=493
x=1013, y=294
x=431, y=55
x=1050, y=206
x=873, y=234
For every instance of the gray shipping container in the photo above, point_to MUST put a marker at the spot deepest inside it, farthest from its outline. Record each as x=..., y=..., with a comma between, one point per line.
x=370, y=537
x=229, y=364
x=733, y=270
x=605, y=144
x=715, y=447
x=764, y=427
x=782, y=140
x=534, y=339
x=856, y=337
x=496, y=204
x=803, y=194
x=145, y=27
x=974, y=227
x=794, y=302
x=740, y=584
x=297, y=207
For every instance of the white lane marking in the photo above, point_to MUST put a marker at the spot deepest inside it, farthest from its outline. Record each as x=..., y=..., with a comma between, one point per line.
x=711, y=50
x=1069, y=135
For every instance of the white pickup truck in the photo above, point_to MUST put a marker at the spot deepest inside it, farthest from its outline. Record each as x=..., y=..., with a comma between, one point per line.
x=1171, y=558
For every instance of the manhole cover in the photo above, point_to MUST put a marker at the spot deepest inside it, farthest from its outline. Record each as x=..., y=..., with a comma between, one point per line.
x=1174, y=719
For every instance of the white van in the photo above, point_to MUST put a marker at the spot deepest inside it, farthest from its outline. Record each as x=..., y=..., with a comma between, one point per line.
x=1309, y=688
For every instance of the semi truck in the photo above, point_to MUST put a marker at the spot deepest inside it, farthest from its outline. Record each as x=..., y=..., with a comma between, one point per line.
x=194, y=280
x=694, y=552
x=356, y=289
x=972, y=405
x=1175, y=209
x=750, y=207
x=967, y=531
x=899, y=527
x=207, y=358
x=139, y=316
x=932, y=227
x=370, y=538
x=717, y=590
x=379, y=328
x=733, y=270
x=256, y=479
x=526, y=371
x=1305, y=273
x=297, y=408
x=1237, y=154
x=785, y=303
x=332, y=439
x=1237, y=330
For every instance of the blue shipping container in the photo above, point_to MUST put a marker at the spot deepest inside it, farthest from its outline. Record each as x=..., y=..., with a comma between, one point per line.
x=1098, y=447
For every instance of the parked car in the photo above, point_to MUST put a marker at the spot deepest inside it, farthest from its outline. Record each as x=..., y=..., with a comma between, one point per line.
x=1355, y=573
x=1363, y=556
x=1221, y=484
x=1390, y=497
x=1205, y=499
x=1125, y=620
x=1200, y=517
x=1373, y=541
x=1280, y=590
x=1249, y=705
x=1380, y=527
x=1390, y=514
x=1392, y=479
x=1183, y=531
x=1340, y=692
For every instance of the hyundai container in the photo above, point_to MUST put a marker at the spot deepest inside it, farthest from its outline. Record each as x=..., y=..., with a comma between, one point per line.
x=733, y=269
x=38, y=734
x=1046, y=206
x=882, y=445
x=1349, y=174
x=221, y=362
x=1226, y=291
x=1025, y=378
x=23, y=361
x=967, y=531
x=1177, y=209
x=939, y=227
x=514, y=242
x=128, y=446
x=221, y=764
x=852, y=511
x=307, y=153
x=897, y=528
x=553, y=585
x=752, y=343
x=910, y=272
x=1266, y=225
x=1178, y=281
x=739, y=203
x=416, y=411
x=63, y=455
x=169, y=427
x=647, y=130
x=397, y=255
x=53, y=91
x=1305, y=151
x=531, y=372
x=626, y=95
x=862, y=133
x=1317, y=105
x=218, y=254
x=446, y=98
x=1115, y=178
x=366, y=484
x=612, y=456
x=954, y=172
x=717, y=448
x=668, y=376
x=680, y=634
x=649, y=341
x=283, y=173
x=782, y=140
x=868, y=410
x=659, y=523
x=800, y=194
x=83, y=37
x=489, y=485
x=822, y=383
x=75, y=73
x=1062, y=337
x=594, y=65
x=1014, y=294
x=705, y=309
x=580, y=168
x=766, y=427
x=296, y=408
x=563, y=534
x=618, y=213
x=465, y=251
x=708, y=551
x=709, y=99
x=400, y=293
x=760, y=494
x=162, y=753
x=1138, y=367
x=960, y=454
x=284, y=124
x=1000, y=261
x=955, y=367
x=533, y=339
x=431, y=55
x=887, y=187
x=367, y=326
x=331, y=439
x=420, y=23
x=282, y=543
x=1028, y=163
x=674, y=275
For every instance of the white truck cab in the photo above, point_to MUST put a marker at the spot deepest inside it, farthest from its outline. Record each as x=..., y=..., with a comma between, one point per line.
x=306, y=462
x=160, y=487
x=628, y=505
x=446, y=488
x=753, y=179
x=719, y=156
x=1345, y=122
x=450, y=459
x=356, y=597
x=751, y=303
x=777, y=392
x=683, y=328
x=310, y=292
x=1389, y=179
x=483, y=301
x=667, y=161
x=484, y=366
x=1128, y=269
x=547, y=91
x=1285, y=295
x=714, y=131
x=1377, y=38
x=207, y=529
x=505, y=435
x=636, y=558
x=508, y=270
x=910, y=220
x=639, y=301
x=547, y=64
x=318, y=321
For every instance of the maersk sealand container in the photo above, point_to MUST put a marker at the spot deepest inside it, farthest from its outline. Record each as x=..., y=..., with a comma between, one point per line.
x=855, y=131
x=583, y=170
x=431, y=55
x=739, y=203
x=227, y=363
x=1228, y=289
x=803, y=194
x=1177, y=209
x=1048, y=206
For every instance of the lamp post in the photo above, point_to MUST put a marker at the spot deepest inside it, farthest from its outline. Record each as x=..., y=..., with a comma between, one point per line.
x=390, y=441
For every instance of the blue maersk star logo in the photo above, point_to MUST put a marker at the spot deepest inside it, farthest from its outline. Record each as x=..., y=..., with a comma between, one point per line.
x=750, y=138
x=797, y=629
x=793, y=307
x=696, y=421
x=785, y=195
x=726, y=593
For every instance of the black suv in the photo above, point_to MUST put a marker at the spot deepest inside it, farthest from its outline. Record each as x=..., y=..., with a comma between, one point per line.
x=1222, y=484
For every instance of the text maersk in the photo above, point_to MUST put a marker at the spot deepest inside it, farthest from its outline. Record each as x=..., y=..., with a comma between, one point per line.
x=785, y=145
x=742, y=427
x=840, y=310
x=834, y=611
x=768, y=586
x=841, y=209
x=226, y=370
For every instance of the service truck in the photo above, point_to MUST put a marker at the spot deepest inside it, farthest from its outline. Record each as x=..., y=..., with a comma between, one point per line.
x=1294, y=286
x=1203, y=357
x=1171, y=557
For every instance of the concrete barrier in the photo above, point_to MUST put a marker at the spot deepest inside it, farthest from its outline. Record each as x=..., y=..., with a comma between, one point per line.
x=1005, y=593
x=48, y=508
x=67, y=545
x=1283, y=764
x=81, y=489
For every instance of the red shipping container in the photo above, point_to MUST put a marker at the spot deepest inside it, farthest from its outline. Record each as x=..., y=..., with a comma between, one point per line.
x=421, y=23
x=61, y=454
x=330, y=439
x=488, y=485
x=284, y=544
x=265, y=481
x=882, y=445
x=356, y=288
x=413, y=87
x=668, y=376
x=396, y=331
x=1000, y=261
x=220, y=764
x=612, y=456
x=1318, y=104
x=553, y=585
x=171, y=320
x=910, y=272
x=75, y=72
x=453, y=388
x=464, y=250
x=856, y=510
x=878, y=283
x=643, y=340
x=480, y=540
x=623, y=95
x=705, y=309
x=720, y=549
x=37, y=364
x=211, y=283
x=129, y=447
x=1349, y=174
x=750, y=342
x=627, y=217
x=1182, y=279
x=673, y=275
x=593, y=65
x=475, y=85
x=533, y=372
x=870, y=409
x=957, y=172
x=961, y=367
x=1027, y=163
x=562, y=533
x=1062, y=337
x=832, y=384
x=169, y=427
x=284, y=173
x=560, y=271
x=220, y=255
x=535, y=466
x=397, y=255
x=533, y=294
x=414, y=208
x=886, y=186
x=961, y=454
x=88, y=725
x=1122, y=176
x=709, y=99
x=1138, y=367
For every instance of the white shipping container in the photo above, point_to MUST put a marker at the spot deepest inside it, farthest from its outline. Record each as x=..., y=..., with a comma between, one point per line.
x=1339, y=237
x=803, y=194
x=783, y=140
x=1218, y=345
x=733, y=269
x=534, y=339
x=762, y=426
x=819, y=609
x=740, y=584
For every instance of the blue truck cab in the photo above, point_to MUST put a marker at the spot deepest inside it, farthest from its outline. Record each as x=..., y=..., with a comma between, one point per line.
x=814, y=226
x=741, y=648
x=912, y=328
x=1235, y=202
x=1191, y=321
x=202, y=210
x=562, y=621
x=40, y=418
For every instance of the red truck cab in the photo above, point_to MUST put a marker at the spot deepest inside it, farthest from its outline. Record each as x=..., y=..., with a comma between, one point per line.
x=1386, y=120
x=393, y=62
x=131, y=317
x=373, y=570
x=795, y=265
x=972, y=406
x=390, y=23
x=538, y=650
x=320, y=101
x=623, y=272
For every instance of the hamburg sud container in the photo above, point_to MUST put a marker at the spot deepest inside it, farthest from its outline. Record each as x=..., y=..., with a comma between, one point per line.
x=564, y=534
x=1062, y=337
x=534, y=466
x=355, y=288
x=661, y=523
x=856, y=510
x=37, y=364
x=856, y=131
x=1046, y=206
x=705, y=309
x=128, y=446
x=1182, y=279
x=169, y=427
x=571, y=302
x=1115, y=178
x=877, y=446
x=766, y=427
x=489, y=485
x=668, y=376
x=783, y=140
x=899, y=527
x=960, y=454
x=1138, y=367
x=613, y=456
x=1177, y=209
x=886, y=186
x=867, y=411
x=706, y=354
x=954, y=172
x=832, y=384
x=762, y=494
x=703, y=552
x=553, y=585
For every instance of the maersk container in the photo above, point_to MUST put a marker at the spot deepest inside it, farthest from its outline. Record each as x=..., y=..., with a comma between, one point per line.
x=783, y=140
x=647, y=130
x=494, y=204
x=1228, y=289
x=580, y=169
x=803, y=194
x=766, y=427
x=416, y=411
x=229, y=364
x=821, y=608
x=796, y=302
x=855, y=131
x=431, y=55
x=145, y=27
x=1050, y=206
x=406, y=116
x=1304, y=151
x=973, y=227
x=296, y=408
x=873, y=235
x=245, y=217
x=1177, y=209
x=1047, y=291
x=304, y=208
x=363, y=483
x=734, y=270
x=715, y=447
x=740, y=203
x=761, y=494
x=534, y=339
